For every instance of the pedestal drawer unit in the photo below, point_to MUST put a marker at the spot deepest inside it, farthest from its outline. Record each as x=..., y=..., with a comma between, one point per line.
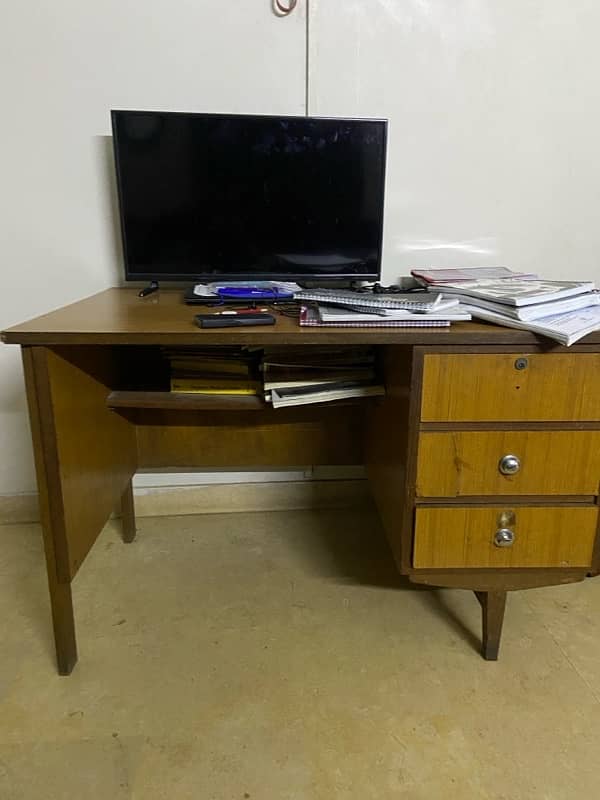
x=502, y=469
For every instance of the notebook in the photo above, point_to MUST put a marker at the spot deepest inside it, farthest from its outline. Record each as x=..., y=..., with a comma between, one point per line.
x=336, y=314
x=408, y=300
x=309, y=316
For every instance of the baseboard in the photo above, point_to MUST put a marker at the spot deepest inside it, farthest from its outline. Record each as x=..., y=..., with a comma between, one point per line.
x=217, y=498
x=18, y=508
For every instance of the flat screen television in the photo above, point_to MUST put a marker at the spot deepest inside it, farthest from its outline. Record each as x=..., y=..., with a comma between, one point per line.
x=209, y=197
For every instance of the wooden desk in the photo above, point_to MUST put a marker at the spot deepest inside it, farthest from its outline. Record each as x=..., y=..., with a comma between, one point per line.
x=458, y=402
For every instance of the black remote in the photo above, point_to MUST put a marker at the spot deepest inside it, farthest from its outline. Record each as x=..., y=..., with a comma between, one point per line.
x=233, y=320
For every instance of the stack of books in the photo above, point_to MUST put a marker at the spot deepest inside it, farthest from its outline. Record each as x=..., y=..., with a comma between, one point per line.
x=295, y=376
x=221, y=371
x=565, y=311
x=349, y=309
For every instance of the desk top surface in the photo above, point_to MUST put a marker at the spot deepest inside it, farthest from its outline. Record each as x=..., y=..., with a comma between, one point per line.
x=119, y=316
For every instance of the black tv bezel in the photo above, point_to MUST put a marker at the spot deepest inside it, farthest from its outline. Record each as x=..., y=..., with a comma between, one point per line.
x=246, y=276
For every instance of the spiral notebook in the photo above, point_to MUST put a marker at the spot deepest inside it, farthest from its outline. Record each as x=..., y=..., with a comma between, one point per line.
x=408, y=300
x=309, y=316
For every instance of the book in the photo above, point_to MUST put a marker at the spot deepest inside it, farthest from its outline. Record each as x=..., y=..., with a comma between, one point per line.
x=517, y=291
x=310, y=317
x=315, y=378
x=303, y=357
x=323, y=394
x=229, y=370
x=214, y=386
x=435, y=276
x=300, y=374
x=212, y=366
x=538, y=310
x=565, y=328
x=294, y=369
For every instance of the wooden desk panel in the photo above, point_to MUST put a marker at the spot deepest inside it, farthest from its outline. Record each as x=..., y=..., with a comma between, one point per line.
x=89, y=453
x=476, y=387
x=294, y=437
x=119, y=316
x=449, y=538
x=553, y=462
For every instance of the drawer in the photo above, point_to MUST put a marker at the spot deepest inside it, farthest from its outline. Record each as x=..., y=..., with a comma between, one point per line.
x=511, y=387
x=466, y=537
x=460, y=463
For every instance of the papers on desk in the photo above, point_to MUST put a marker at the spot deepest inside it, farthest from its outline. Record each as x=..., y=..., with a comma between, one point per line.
x=331, y=316
x=565, y=311
x=369, y=301
x=295, y=376
x=338, y=307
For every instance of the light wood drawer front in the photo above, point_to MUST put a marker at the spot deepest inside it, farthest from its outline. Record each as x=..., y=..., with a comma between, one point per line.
x=489, y=387
x=462, y=463
x=543, y=537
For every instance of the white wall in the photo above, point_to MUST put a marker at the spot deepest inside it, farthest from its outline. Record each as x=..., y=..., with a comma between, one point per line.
x=493, y=152
x=494, y=109
x=65, y=64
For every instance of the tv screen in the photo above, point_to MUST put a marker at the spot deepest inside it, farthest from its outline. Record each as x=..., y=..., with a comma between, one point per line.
x=207, y=197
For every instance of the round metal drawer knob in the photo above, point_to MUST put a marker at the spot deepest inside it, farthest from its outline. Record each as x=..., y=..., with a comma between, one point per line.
x=504, y=538
x=509, y=465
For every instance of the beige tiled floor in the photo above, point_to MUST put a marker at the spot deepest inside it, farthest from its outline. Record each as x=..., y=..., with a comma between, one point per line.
x=278, y=656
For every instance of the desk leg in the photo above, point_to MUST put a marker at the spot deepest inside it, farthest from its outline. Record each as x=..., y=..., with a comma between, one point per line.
x=128, y=514
x=85, y=456
x=51, y=512
x=63, y=623
x=493, y=605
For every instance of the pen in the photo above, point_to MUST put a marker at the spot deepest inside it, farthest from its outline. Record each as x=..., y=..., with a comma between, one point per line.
x=231, y=312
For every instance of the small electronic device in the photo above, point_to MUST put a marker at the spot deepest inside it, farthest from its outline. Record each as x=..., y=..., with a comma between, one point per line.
x=233, y=321
x=252, y=293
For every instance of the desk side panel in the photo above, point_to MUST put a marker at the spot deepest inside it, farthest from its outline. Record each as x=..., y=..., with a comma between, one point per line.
x=89, y=451
x=392, y=432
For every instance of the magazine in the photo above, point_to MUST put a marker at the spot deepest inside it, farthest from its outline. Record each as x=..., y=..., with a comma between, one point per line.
x=436, y=276
x=517, y=291
x=564, y=328
x=323, y=393
x=538, y=310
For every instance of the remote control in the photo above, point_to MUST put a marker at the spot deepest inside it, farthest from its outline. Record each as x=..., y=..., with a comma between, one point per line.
x=237, y=321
